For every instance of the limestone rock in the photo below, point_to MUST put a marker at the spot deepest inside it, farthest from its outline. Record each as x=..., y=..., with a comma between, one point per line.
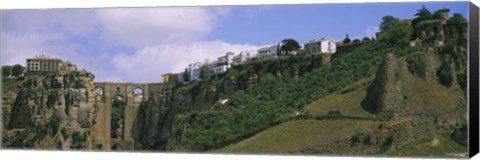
x=422, y=65
x=388, y=92
x=51, y=104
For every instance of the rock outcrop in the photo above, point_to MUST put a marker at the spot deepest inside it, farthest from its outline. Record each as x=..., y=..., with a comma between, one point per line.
x=57, y=109
x=153, y=122
x=407, y=91
x=389, y=91
x=422, y=65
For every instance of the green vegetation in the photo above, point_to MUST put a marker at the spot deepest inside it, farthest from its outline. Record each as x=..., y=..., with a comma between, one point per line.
x=6, y=71
x=288, y=46
x=10, y=85
x=396, y=32
x=26, y=138
x=264, y=91
x=295, y=136
x=346, y=101
x=64, y=133
x=346, y=40
x=17, y=70
x=388, y=22
x=433, y=147
x=118, y=113
x=78, y=140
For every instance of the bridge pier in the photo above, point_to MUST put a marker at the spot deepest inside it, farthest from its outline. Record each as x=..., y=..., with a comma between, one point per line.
x=107, y=91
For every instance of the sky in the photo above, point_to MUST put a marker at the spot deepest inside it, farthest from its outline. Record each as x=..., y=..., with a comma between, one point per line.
x=141, y=44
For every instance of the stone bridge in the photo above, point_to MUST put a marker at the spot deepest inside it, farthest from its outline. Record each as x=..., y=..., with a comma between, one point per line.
x=132, y=94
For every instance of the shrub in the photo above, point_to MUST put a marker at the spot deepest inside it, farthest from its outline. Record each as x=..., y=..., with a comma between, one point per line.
x=444, y=73
x=54, y=123
x=64, y=133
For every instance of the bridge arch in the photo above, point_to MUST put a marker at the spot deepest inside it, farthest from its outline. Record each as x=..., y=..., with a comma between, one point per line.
x=99, y=90
x=118, y=120
x=138, y=91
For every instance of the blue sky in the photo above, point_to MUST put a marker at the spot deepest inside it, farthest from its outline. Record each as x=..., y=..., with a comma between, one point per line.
x=266, y=24
x=140, y=44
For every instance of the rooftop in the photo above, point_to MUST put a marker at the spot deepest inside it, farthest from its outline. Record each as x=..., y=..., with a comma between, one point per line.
x=43, y=57
x=319, y=40
x=267, y=48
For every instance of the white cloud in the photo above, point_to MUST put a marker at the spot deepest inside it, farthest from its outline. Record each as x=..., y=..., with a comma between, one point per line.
x=26, y=33
x=371, y=31
x=16, y=47
x=140, y=27
x=166, y=39
x=149, y=63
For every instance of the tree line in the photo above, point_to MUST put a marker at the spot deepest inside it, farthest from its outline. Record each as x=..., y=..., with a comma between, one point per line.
x=12, y=71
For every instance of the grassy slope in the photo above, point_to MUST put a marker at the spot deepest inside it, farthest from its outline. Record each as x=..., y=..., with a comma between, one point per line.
x=436, y=147
x=347, y=101
x=293, y=136
x=429, y=96
x=10, y=85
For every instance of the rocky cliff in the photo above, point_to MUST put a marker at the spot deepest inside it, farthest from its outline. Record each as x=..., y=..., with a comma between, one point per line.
x=389, y=90
x=409, y=90
x=54, y=111
x=8, y=99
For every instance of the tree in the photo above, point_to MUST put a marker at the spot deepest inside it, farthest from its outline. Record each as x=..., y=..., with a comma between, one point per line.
x=398, y=34
x=356, y=41
x=388, y=22
x=456, y=19
x=6, y=71
x=205, y=72
x=17, y=70
x=289, y=45
x=346, y=40
x=423, y=14
x=366, y=39
x=186, y=76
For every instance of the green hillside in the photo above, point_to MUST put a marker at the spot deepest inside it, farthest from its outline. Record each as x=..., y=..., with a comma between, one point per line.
x=407, y=87
x=330, y=136
x=297, y=136
x=347, y=101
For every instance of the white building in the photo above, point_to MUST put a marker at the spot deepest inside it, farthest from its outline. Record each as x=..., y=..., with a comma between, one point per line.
x=267, y=52
x=194, y=71
x=323, y=45
x=242, y=57
x=223, y=63
x=180, y=77
x=43, y=63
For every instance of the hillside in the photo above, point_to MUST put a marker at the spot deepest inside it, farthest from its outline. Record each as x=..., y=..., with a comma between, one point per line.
x=259, y=94
x=338, y=136
x=401, y=94
x=411, y=83
x=364, y=83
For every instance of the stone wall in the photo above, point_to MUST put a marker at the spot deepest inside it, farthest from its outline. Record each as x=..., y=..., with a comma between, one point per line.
x=103, y=100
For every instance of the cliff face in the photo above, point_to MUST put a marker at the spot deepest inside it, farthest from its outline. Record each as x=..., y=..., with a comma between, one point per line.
x=152, y=126
x=8, y=99
x=53, y=112
x=410, y=91
x=389, y=90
